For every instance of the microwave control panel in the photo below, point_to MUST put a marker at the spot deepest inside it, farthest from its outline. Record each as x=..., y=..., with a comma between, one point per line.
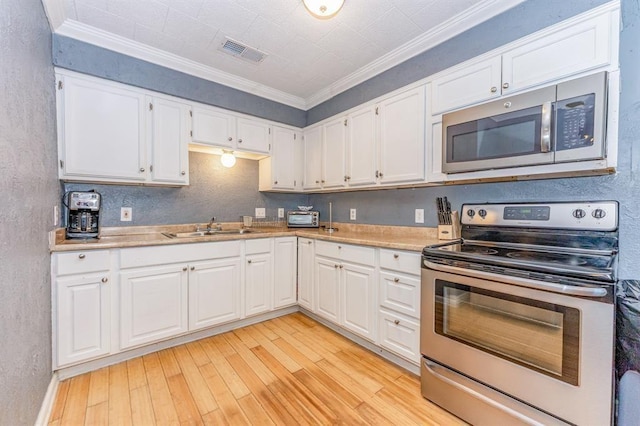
x=575, y=122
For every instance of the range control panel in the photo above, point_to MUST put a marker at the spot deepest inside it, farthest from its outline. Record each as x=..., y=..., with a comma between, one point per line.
x=587, y=215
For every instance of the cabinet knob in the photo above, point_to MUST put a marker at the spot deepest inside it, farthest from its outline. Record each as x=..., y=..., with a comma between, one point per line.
x=309, y=242
x=249, y=261
x=105, y=279
x=395, y=256
x=183, y=173
x=396, y=322
x=275, y=182
x=339, y=247
x=494, y=89
x=396, y=280
x=505, y=85
x=193, y=268
x=81, y=256
x=341, y=266
x=239, y=140
x=229, y=138
x=345, y=178
x=141, y=169
x=335, y=266
x=317, y=181
x=381, y=175
x=184, y=269
x=322, y=181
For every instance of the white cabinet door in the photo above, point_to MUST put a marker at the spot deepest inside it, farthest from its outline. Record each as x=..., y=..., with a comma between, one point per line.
x=400, y=335
x=101, y=131
x=474, y=83
x=253, y=136
x=153, y=304
x=284, y=272
x=333, y=154
x=327, y=283
x=362, y=147
x=313, y=158
x=168, y=140
x=258, y=283
x=358, y=299
x=305, y=273
x=82, y=317
x=214, y=292
x=581, y=47
x=212, y=126
x=402, y=137
x=283, y=161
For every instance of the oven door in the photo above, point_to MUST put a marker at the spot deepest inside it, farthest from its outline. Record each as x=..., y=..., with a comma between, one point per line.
x=548, y=350
x=515, y=131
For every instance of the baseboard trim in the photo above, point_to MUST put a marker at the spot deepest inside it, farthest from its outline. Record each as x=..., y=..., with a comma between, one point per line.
x=47, y=402
x=389, y=356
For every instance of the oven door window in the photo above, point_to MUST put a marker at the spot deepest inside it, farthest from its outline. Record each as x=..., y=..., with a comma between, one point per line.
x=500, y=136
x=535, y=334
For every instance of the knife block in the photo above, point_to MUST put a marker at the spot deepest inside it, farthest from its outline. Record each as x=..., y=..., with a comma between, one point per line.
x=450, y=232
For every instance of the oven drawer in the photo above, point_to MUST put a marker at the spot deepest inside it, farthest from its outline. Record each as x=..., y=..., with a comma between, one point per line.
x=402, y=261
x=82, y=261
x=400, y=335
x=400, y=293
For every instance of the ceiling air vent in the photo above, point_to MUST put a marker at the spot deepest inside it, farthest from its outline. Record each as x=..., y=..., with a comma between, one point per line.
x=242, y=51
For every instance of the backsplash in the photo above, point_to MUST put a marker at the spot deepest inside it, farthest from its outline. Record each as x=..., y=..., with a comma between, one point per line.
x=214, y=190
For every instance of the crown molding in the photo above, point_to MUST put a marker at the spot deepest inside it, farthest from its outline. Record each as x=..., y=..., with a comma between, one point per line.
x=471, y=17
x=88, y=34
x=54, y=9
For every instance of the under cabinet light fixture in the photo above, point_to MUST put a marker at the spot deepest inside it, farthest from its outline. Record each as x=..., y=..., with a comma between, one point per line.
x=228, y=159
x=323, y=9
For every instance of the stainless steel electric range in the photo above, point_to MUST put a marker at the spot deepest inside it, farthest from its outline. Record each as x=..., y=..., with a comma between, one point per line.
x=518, y=315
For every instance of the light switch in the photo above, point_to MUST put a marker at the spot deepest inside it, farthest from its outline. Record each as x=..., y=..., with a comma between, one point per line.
x=419, y=215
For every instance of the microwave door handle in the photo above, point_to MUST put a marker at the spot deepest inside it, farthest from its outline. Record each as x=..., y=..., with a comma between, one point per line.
x=545, y=130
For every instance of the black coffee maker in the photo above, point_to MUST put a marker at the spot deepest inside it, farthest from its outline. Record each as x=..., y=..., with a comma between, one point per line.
x=83, y=214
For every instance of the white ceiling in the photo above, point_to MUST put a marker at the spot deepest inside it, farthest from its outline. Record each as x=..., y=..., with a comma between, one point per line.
x=309, y=60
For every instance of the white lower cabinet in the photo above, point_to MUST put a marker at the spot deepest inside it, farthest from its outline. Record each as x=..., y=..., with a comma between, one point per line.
x=400, y=335
x=305, y=273
x=81, y=306
x=214, y=292
x=345, y=286
x=284, y=272
x=153, y=304
x=258, y=267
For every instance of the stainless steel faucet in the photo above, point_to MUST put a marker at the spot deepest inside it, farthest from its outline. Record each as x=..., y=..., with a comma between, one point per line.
x=210, y=225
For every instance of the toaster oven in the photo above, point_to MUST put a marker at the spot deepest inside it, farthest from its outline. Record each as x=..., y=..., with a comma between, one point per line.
x=303, y=219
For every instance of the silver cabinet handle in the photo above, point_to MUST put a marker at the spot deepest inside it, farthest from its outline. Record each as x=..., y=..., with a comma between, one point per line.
x=545, y=128
x=507, y=104
x=494, y=89
x=395, y=256
x=239, y=140
x=229, y=138
x=141, y=169
x=81, y=256
x=184, y=269
x=396, y=280
x=104, y=280
x=396, y=322
x=505, y=85
x=183, y=173
x=193, y=268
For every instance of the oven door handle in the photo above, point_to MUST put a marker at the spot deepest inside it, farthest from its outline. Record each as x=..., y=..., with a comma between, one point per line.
x=523, y=282
x=432, y=369
x=545, y=128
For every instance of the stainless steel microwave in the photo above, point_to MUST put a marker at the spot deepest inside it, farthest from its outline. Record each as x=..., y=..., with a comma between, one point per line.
x=556, y=124
x=303, y=219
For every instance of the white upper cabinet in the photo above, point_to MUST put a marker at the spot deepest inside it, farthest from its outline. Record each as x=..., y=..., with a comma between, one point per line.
x=402, y=137
x=101, y=130
x=474, y=83
x=312, y=158
x=361, y=147
x=109, y=132
x=281, y=171
x=333, y=153
x=213, y=126
x=168, y=140
x=253, y=135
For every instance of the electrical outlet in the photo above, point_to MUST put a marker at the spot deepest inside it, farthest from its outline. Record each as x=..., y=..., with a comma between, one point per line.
x=280, y=212
x=56, y=215
x=260, y=213
x=419, y=215
x=126, y=214
x=352, y=214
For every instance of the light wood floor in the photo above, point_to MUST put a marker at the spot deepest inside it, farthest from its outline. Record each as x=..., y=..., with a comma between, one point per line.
x=286, y=371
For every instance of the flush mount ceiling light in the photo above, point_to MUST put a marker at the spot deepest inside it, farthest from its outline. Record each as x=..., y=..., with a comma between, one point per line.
x=228, y=159
x=323, y=9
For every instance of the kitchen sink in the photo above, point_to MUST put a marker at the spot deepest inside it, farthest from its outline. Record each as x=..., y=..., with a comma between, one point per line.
x=209, y=233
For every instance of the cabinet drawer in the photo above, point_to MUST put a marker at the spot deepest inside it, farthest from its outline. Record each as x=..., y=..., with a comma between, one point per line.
x=346, y=252
x=400, y=335
x=400, y=293
x=259, y=245
x=402, y=261
x=78, y=262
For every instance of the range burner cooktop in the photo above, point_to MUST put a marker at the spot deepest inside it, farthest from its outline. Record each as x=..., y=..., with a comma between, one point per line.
x=570, y=239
